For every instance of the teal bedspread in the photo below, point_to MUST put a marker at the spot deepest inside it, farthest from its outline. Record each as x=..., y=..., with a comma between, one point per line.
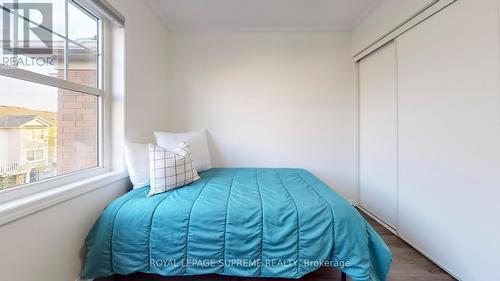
x=242, y=222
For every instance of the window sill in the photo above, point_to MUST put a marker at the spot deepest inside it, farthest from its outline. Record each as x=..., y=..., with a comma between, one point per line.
x=11, y=211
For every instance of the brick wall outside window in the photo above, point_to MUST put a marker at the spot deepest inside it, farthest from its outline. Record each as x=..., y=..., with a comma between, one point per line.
x=77, y=125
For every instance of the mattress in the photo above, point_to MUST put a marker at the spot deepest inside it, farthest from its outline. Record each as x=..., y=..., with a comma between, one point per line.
x=236, y=221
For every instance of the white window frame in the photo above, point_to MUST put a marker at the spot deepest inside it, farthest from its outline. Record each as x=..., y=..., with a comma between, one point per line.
x=103, y=167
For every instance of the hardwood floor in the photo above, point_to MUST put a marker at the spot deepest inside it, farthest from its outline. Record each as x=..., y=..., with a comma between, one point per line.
x=407, y=265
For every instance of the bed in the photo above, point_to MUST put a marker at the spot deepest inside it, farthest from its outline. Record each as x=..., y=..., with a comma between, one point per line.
x=236, y=221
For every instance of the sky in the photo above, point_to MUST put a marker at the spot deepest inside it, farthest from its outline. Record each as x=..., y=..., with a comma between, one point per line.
x=19, y=93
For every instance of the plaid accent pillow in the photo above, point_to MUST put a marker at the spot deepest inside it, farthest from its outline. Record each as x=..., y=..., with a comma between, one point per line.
x=170, y=169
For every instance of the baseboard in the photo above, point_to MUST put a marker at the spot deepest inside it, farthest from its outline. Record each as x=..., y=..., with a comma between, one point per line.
x=395, y=232
x=377, y=219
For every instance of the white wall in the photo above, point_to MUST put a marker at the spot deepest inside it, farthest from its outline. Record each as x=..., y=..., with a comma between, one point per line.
x=48, y=245
x=387, y=16
x=269, y=99
x=146, y=77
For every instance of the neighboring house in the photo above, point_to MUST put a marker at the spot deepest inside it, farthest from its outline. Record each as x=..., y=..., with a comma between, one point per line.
x=29, y=156
x=26, y=149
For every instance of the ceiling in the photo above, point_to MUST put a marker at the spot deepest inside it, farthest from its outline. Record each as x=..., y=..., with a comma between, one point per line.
x=263, y=15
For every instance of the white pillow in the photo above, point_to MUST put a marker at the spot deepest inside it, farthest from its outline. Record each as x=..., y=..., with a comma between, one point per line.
x=197, y=140
x=137, y=160
x=170, y=169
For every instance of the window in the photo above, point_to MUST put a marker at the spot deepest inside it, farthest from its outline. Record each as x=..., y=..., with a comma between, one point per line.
x=50, y=97
x=35, y=155
x=38, y=134
x=30, y=155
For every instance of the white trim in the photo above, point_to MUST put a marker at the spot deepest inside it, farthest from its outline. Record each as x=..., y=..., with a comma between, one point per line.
x=66, y=43
x=103, y=9
x=26, y=75
x=105, y=102
x=371, y=215
x=29, y=189
x=357, y=154
x=398, y=205
x=319, y=28
x=17, y=209
x=115, y=97
x=405, y=26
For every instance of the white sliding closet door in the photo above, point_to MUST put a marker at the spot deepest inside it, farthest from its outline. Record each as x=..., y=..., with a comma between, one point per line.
x=449, y=138
x=378, y=133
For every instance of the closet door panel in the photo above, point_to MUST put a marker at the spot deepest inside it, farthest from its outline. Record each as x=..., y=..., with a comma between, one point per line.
x=449, y=138
x=378, y=134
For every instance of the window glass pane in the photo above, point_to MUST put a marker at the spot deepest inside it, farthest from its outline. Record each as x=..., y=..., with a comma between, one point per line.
x=50, y=63
x=82, y=65
x=33, y=36
x=82, y=27
x=57, y=13
x=44, y=132
x=82, y=47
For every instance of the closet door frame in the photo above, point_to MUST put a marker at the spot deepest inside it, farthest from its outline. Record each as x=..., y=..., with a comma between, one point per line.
x=406, y=25
x=393, y=173
x=390, y=36
x=418, y=18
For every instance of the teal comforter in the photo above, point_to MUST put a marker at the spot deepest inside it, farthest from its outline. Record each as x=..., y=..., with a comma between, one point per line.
x=242, y=222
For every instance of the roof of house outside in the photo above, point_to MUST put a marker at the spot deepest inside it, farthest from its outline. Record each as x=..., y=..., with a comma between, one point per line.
x=80, y=46
x=19, y=121
x=18, y=111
